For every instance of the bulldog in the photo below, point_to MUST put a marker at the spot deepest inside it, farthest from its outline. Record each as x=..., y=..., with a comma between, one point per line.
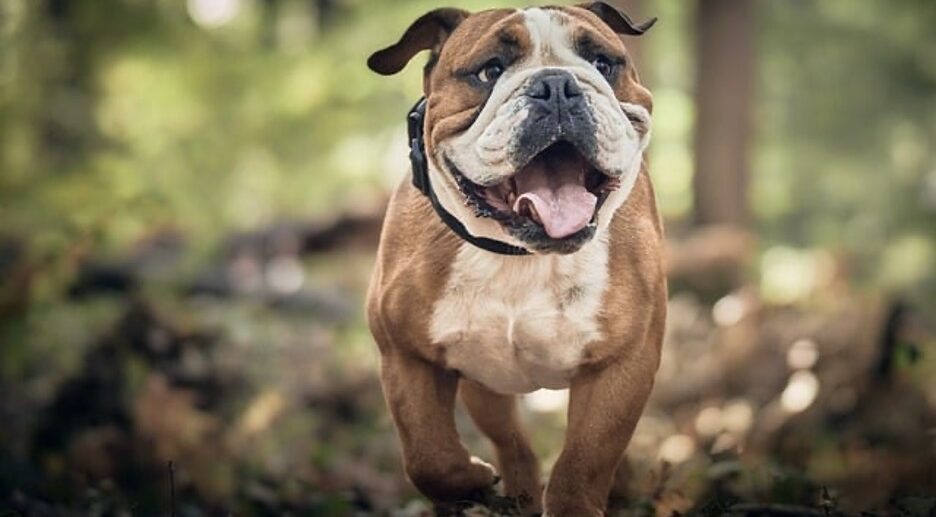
x=525, y=252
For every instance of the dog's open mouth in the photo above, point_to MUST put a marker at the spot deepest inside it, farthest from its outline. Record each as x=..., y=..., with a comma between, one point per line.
x=558, y=190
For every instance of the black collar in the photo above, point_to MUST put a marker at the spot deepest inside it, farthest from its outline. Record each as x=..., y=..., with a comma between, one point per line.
x=421, y=181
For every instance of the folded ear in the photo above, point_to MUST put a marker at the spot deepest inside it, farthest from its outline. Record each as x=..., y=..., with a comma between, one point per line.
x=429, y=31
x=617, y=20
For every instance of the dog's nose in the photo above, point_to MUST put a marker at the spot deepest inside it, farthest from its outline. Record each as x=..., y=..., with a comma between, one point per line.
x=554, y=86
x=555, y=94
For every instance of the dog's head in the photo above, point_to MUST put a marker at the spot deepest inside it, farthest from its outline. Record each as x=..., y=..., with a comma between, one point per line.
x=536, y=121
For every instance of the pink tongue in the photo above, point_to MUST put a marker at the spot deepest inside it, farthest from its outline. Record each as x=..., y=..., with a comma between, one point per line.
x=554, y=184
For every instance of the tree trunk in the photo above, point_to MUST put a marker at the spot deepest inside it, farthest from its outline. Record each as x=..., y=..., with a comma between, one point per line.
x=724, y=80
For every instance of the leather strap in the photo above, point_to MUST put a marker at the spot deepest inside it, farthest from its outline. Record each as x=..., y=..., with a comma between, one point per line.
x=421, y=182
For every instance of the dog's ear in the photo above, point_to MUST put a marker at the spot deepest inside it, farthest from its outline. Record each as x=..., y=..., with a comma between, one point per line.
x=617, y=20
x=428, y=32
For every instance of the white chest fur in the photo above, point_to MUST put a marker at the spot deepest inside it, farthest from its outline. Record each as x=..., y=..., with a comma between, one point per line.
x=517, y=324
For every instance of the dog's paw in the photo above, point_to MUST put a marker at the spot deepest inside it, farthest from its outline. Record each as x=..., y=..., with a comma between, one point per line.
x=483, y=477
x=485, y=501
x=443, y=481
x=495, y=478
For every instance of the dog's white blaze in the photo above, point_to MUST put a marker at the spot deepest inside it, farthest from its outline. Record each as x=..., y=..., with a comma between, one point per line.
x=547, y=37
x=551, y=37
x=517, y=324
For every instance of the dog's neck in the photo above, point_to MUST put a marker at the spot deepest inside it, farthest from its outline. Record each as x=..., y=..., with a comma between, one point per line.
x=421, y=181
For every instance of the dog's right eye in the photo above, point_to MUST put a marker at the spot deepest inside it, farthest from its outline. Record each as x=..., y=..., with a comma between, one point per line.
x=491, y=71
x=604, y=65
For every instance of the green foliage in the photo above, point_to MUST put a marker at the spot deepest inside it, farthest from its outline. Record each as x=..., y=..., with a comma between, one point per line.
x=846, y=126
x=119, y=118
x=122, y=117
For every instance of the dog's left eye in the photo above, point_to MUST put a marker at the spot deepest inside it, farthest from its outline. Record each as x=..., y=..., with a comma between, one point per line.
x=491, y=71
x=604, y=65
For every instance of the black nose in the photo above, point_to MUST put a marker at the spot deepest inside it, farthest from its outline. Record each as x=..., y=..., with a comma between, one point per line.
x=555, y=86
x=555, y=93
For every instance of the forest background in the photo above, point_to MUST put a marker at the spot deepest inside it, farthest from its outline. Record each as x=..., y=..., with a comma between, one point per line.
x=190, y=196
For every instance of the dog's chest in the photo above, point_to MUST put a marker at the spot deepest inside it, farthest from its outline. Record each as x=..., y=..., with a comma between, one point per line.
x=517, y=324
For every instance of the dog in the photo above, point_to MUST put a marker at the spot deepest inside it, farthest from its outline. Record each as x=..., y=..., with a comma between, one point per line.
x=525, y=252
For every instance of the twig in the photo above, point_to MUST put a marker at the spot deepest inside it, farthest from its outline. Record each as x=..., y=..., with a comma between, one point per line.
x=172, y=505
x=826, y=502
x=772, y=509
x=889, y=340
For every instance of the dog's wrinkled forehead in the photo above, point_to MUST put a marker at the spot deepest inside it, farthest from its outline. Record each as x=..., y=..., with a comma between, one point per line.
x=534, y=36
x=521, y=41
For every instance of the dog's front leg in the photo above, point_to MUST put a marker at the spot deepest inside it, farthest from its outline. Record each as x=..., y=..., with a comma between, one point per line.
x=496, y=416
x=421, y=397
x=604, y=407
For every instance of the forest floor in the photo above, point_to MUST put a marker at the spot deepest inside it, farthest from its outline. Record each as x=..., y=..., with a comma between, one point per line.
x=249, y=388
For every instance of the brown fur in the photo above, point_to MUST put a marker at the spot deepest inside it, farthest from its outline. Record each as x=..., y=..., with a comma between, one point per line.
x=413, y=264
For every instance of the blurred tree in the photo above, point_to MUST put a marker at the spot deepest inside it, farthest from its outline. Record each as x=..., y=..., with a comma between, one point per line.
x=724, y=79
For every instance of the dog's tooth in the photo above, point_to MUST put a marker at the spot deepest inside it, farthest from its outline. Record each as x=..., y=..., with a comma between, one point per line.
x=526, y=209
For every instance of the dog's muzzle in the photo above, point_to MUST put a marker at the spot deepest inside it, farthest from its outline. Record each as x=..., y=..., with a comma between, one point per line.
x=559, y=111
x=551, y=199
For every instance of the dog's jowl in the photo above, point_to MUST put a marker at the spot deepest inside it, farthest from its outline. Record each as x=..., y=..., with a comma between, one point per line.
x=524, y=252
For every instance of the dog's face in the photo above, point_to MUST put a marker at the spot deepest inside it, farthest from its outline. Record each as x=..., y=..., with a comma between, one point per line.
x=536, y=121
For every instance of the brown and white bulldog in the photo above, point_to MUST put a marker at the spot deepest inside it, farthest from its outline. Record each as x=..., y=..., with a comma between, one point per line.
x=532, y=259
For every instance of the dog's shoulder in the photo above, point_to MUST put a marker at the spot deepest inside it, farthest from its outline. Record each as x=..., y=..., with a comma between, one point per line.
x=637, y=273
x=414, y=259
